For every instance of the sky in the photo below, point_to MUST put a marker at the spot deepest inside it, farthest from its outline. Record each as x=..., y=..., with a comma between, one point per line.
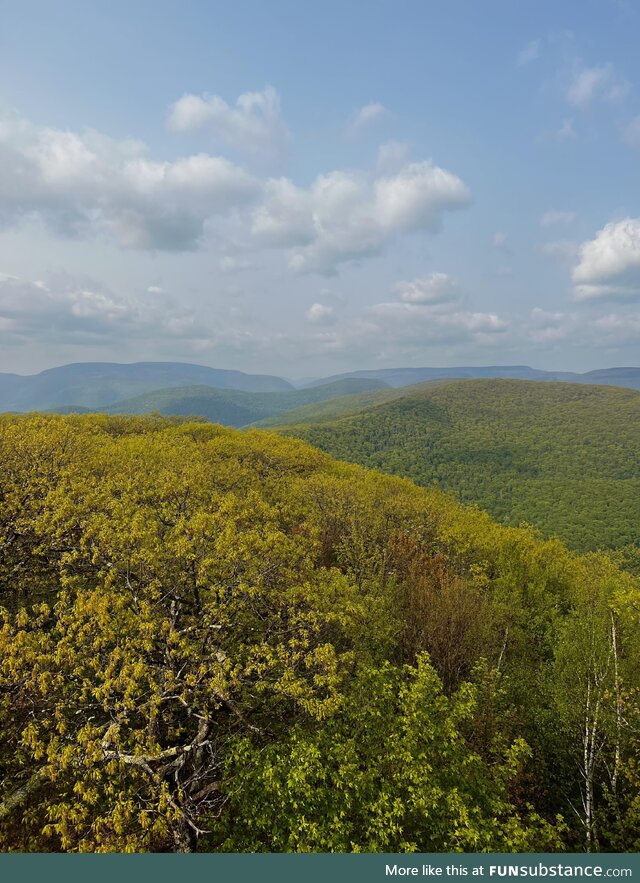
x=306, y=188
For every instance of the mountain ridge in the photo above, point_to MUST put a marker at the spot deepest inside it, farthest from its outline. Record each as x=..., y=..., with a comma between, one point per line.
x=397, y=377
x=230, y=407
x=94, y=385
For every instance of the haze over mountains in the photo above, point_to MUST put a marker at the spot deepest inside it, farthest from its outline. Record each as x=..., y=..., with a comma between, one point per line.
x=236, y=407
x=101, y=385
x=93, y=384
x=629, y=377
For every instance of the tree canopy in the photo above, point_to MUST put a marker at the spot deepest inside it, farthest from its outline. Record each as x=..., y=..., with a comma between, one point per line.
x=219, y=640
x=561, y=456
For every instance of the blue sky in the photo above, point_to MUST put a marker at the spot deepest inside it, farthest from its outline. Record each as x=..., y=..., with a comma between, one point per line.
x=306, y=188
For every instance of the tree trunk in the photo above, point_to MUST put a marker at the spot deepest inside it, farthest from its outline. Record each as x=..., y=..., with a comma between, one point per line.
x=184, y=837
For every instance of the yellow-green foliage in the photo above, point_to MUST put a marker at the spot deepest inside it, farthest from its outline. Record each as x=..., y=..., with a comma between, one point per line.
x=228, y=640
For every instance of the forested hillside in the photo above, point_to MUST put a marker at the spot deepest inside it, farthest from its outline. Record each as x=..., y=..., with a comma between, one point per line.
x=235, y=407
x=398, y=377
x=223, y=640
x=561, y=456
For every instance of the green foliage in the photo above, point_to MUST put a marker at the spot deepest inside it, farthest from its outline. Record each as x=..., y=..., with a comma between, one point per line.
x=230, y=407
x=392, y=773
x=560, y=456
x=221, y=640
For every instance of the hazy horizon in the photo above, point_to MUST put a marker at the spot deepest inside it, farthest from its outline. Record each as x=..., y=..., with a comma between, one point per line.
x=305, y=378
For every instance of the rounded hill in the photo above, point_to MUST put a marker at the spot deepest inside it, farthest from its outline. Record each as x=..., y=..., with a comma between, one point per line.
x=563, y=456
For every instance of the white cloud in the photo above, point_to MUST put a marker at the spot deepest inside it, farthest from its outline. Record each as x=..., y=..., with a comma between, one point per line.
x=320, y=314
x=89, y=184
x=550, y=328
x=286, y=216
x=416, y=196
x=556, y=217
x=609, y=265
x=362, y=118
x=616, y=329
x=529, y=53
x=436, y=288
x=254, y=124
x=344, y=216
x=420, y=323
x=71, y=310
x=599, y=83
x=398, y=329
x=83, y=185
x=557, y=330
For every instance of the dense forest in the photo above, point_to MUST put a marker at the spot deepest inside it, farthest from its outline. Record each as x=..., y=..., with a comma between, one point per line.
x=223, y=640
x=563, y=457
x=233, y=407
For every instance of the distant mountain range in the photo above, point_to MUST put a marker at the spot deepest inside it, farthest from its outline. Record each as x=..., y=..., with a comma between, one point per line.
x=396, y=377
x=91, y=385
x=182, y=388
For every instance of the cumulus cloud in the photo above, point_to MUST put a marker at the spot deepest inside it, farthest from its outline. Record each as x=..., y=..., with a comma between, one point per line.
x=427, y=314
x=254, y=124
x=616, y=329
x=548, y=327
x=67, y=309
x=590, y=84
x=362, y=118
x=609, y=265
x=320, y=314
x=89, y=185
x=82, y=184
x=286, y=216
x=344, y=216
x=420, y=322
x=552, y=330
x=436, y=288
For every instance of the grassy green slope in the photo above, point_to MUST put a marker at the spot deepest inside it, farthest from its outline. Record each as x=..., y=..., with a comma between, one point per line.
x=235, y=407
x=564, y=457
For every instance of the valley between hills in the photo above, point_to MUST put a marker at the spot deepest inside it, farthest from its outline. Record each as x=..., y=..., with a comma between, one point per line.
x=559, y=451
